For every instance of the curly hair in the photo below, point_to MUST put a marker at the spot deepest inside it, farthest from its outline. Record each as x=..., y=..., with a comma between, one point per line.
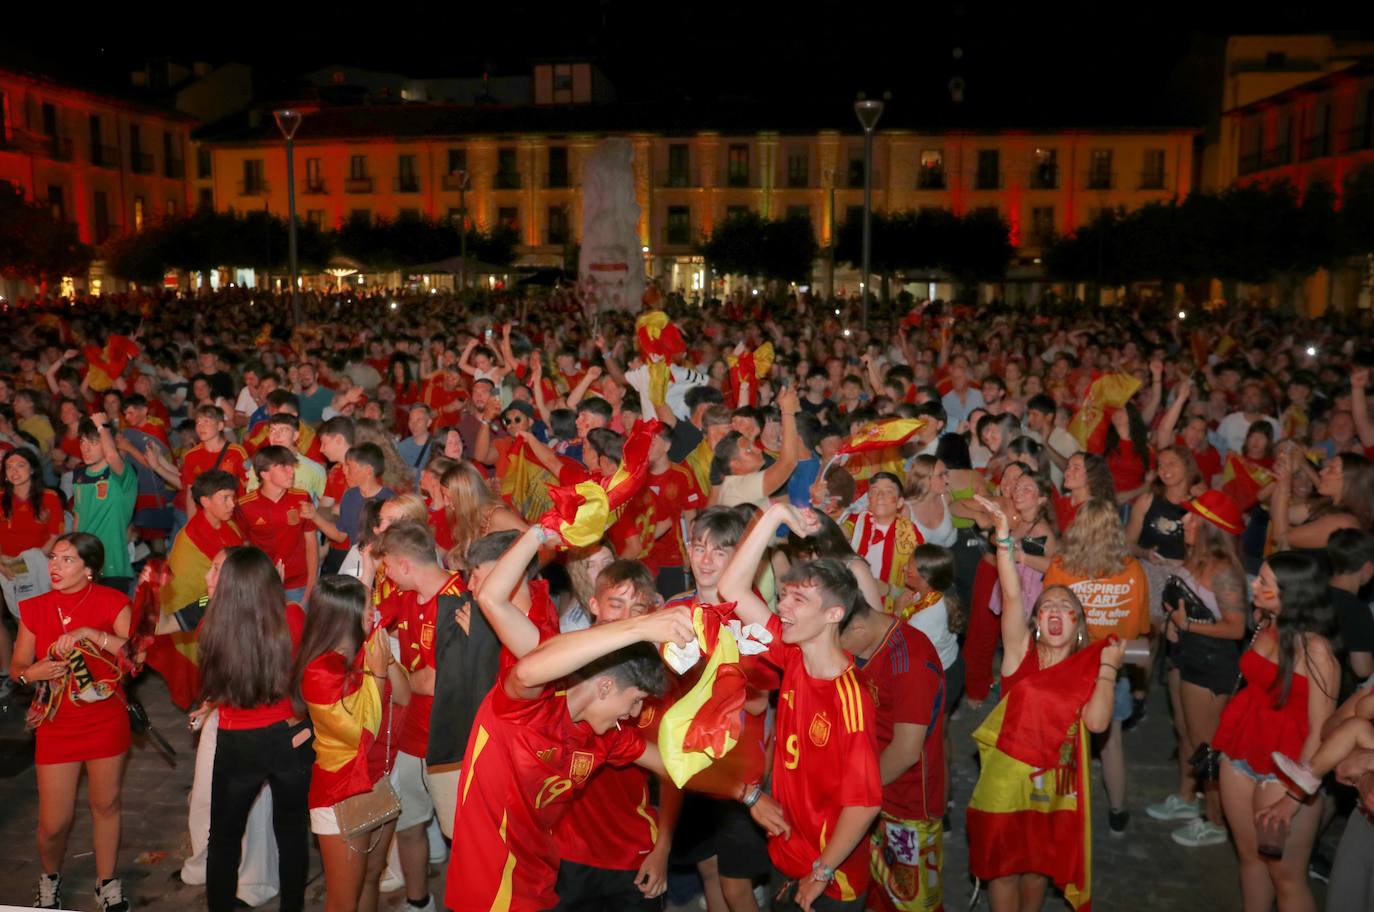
x=1095, y=544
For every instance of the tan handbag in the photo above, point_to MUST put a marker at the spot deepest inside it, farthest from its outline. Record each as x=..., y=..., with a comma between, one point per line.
x=366, y=812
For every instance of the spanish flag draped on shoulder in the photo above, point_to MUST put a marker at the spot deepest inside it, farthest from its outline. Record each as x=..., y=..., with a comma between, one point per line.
x=1031, y=809
x=1106, y=394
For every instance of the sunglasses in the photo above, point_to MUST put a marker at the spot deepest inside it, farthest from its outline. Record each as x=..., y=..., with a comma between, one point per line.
x=512, y=419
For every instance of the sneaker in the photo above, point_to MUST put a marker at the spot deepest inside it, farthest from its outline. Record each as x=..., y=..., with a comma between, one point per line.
x=49, y=892
x=1199, y=832
x=109, y=894
x=1298, y=773
x=1319, y=868
x=390, y=882
x=1173, y=808
x=1117, y=820
x=409, y=906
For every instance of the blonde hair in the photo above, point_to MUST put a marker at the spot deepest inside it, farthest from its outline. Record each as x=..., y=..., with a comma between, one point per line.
x=412, y=507
x=468, y=501
x=1094, y=546
x=396, y=474
x=918, y=478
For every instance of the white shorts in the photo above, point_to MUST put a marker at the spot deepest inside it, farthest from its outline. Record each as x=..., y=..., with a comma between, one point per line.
x=324, y=822
x=443, y=791
x=408, y=775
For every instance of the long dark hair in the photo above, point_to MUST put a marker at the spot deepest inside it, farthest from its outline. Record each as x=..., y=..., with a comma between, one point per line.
x=1305, y=608
x=245, y=645
x=1099, y=476
x=334, y=618
x=1140, y=435
x=36, y=486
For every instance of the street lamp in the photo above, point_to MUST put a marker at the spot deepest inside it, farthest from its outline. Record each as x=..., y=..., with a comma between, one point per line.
x=289, y=121
x=868, y=112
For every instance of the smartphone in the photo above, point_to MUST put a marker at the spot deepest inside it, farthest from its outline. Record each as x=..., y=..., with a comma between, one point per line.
x=487, y=335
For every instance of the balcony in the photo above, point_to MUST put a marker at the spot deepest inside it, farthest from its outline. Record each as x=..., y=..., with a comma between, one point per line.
x=1315, y=147
x=1358, y=137
x=506, y=180
x=1099, y=180
x=252, y=188
x=105, y=156
x=1152, y=180
x=677, y=235
x=1248, y=163
x=313, y=187
x=1044, y=177
x=141, y=162
x=556, y=180
x=986, y=180
x=175, y=168
x=456, y=181
x=358, y=185
x=679, y=177
x=1278, y=155
x=407, y=183
x=740, y=180
x=930, y=178
x=57, y=148
x=798, y=182
x=854, y=180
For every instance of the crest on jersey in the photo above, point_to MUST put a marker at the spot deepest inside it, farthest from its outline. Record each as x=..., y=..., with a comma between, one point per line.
x=581, y=767
x=819, y=731
x=427, y=636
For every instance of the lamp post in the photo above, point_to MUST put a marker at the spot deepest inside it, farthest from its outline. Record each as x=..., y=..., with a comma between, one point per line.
x=463, y=183
x=868, y=112
x=289, y=121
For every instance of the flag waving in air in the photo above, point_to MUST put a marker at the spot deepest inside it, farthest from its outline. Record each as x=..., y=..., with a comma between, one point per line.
x=107, y=363
x=746, y=370
x=1106, y=394
x=659, y=342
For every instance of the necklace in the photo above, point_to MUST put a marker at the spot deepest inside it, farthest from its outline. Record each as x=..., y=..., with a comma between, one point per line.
x=66, y=618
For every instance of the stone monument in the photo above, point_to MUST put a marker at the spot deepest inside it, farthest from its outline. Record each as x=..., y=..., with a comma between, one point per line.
x=611, y=266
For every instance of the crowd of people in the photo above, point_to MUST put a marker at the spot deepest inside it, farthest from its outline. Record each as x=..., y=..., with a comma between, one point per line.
x=366, y=555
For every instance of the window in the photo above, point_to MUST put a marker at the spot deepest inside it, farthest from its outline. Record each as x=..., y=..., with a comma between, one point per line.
x=558, y=168
x=205, y=198
x=97, y=146
x=1316, y=144
x=138, y=213
x=408, y=215
x=562, y=83
x=737, y=165
x=406, y=179
x=56, y=203
x=799, y=212
x=360, y=215
x=507, y=170
x=49, y=119
x=508, y=217
x=172, y=163
x=314, y=217
x=1281, y=152
x=1152, y=176
x=357, y=167
x=557, y=225
x=989, y=173
x=1100, y=169
x=798, y=169
x=931, y=175
x=679, y=225
x=253, y=183
x=101, y=213
x=457, y=160
x=4, y=117
x=1357, y=137
x=854, y=214
x=732, y=212
x=1042, y=225
x=203, y=166
x=855, y=172
x=1044, y=169
x=135, y=140
x=314, y=182
x=677, y=165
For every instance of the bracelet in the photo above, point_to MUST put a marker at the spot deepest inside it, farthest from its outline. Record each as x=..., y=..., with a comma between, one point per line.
x=1109, y=665
x=822, y=872
x=1006, y=542
x=1108, y=679
x=752, y=794
x=1299, y=800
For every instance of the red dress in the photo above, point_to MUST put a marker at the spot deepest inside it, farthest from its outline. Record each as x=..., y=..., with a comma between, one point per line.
x=78, y=731
x=1252, y=728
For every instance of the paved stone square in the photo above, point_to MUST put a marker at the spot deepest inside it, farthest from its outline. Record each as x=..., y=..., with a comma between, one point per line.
x=1144, y=869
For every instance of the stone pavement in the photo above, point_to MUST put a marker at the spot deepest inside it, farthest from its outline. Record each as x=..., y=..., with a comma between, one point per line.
x=1144, y=869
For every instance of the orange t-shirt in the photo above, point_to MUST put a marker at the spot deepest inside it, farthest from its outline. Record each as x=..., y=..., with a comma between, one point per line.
x=1117, y=604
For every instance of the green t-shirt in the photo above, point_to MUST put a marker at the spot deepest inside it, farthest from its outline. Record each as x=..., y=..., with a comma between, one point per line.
x=104, y=508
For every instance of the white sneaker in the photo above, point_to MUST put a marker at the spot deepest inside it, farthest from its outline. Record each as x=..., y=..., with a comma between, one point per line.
x=49, y=892
x=1199, y=832
x=110, y=896
x=1173, y=808
x=1298, y=773
x=390, y=882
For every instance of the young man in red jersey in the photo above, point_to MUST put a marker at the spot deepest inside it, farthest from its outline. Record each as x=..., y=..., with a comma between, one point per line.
x=533, y=748
x=826, y=788
x=273, y=520
x=901, y=669
x=676, y=499
x=612, y=843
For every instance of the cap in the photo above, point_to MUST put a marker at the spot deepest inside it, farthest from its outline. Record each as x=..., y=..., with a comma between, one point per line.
x=1218, y=509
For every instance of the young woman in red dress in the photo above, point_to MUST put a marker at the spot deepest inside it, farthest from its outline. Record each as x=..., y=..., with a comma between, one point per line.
x=79, y=624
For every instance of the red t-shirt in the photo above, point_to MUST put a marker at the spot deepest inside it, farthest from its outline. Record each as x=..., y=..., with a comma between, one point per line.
x=21, y=530
x=334, y=488
x=443, y=533
x=907, y=683
x=825, y=759
x=1208, y=460
x=199, y=460
x=437, y=396
x=673, y=492
x=1065, y=510
x=278, y=528
x=526, y=761
x=232, y=718
x=1128, y=467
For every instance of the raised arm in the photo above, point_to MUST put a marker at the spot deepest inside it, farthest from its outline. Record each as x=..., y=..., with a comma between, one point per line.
x=566, y=653
x=737, y=580
x=1156, y=394
x=540, y=405
x=776, y=475
x=579, y=392
x=1164, y=434
x=511, y=625
x=108, y=449
x=1015, y=634
x=1359, y=405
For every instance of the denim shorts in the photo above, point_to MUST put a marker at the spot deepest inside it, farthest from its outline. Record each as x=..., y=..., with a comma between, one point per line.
x=1247, y=770
x=1122, y=701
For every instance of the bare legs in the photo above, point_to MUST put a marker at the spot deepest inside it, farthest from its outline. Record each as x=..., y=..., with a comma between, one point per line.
x=57, y=785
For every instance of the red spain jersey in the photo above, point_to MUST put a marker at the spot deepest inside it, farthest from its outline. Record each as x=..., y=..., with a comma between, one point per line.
x=199, y=460
x=526, y=761
x=416, y=624
x=825, y=760
x=613, y=824
x=672, y=492
x=334, y=488
x=907, y=683
x=278, y=528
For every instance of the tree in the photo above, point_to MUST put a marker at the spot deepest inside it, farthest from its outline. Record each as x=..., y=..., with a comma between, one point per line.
x=34, y=244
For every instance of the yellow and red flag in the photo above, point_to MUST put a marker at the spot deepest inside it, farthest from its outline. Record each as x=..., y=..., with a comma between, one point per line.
x=345, y=706
x=1107, y=393
x=1031, y=809
x=524, y=481
x=882, y=434
x=659, y=342
x=107, y=363
x=704, y=724
x=1243, y=478
x=746, y=371
x=580, y=513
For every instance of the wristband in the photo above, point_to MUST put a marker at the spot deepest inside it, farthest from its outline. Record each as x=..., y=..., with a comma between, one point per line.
x=1008, y=541
x=822, y=872
x=752, y=794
